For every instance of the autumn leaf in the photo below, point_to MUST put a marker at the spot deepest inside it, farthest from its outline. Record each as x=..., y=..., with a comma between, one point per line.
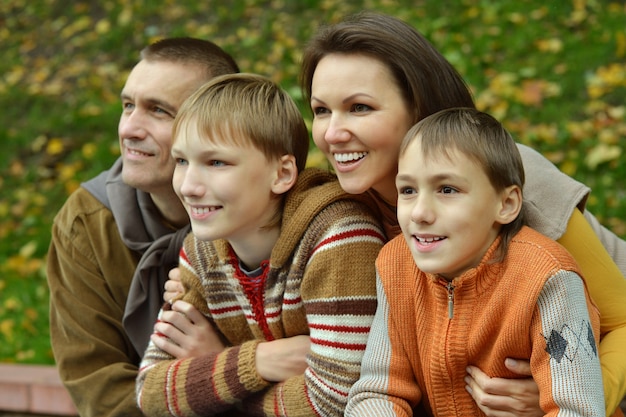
x=602, y=153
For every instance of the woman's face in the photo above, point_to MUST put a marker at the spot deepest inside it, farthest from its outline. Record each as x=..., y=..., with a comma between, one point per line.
x=360, y=119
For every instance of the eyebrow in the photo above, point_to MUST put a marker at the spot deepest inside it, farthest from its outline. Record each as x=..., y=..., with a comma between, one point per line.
x=152, y=102
x=347, y=99
x=403, y=177
x=436, y=178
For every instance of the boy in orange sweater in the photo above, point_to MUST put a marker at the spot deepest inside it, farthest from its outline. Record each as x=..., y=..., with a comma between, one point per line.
x=468, y=284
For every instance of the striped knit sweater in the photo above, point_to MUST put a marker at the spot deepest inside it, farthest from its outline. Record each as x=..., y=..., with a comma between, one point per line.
x=321, y=282
x=532, y=305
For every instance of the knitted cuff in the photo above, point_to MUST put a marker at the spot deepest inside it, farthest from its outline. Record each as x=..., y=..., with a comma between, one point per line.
x=248, y=375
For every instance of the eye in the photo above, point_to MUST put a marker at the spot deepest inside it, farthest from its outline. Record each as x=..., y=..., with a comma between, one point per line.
x=320, y=110
x=446, y=189
x=217, y=163
x=181, y=161
x=127, y=106
x=159, y=111
x=405, y=190
x=360, y=108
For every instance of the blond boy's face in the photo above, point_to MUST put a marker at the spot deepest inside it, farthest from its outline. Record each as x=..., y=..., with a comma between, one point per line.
x=225, y=188
x=447, y=209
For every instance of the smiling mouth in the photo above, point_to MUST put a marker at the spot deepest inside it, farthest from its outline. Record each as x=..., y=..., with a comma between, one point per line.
x=204, y=210
x=428, y=240
x=137, y=153
x=347, y=158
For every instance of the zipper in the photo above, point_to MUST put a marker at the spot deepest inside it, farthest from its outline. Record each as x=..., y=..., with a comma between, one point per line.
x=450, y=289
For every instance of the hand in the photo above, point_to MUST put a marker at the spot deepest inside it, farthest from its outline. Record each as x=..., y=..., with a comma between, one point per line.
x=188, y=333
x=500, y=397
x=173, y=287
x=281, y=359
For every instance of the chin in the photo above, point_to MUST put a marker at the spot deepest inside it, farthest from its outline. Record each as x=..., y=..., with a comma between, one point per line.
x=203, y=236
x=130, y=178
x=352, y=188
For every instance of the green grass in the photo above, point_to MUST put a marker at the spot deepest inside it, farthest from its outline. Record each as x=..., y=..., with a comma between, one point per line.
x=553, y=72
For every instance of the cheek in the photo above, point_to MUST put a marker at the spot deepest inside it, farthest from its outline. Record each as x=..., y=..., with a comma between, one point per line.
x=403, y=210
x=318, y=131
x=177, y=179
x=163, y=136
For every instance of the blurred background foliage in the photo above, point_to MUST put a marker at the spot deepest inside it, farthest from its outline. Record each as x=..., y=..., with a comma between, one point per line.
x=553, y=72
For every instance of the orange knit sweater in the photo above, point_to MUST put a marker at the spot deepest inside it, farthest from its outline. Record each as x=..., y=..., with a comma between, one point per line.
x=533, y=305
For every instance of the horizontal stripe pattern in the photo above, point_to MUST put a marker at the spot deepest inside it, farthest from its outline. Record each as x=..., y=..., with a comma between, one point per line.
x=321, y=283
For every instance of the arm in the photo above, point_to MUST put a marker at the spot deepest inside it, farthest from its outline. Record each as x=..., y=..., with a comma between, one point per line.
x=564, y=359
x=183, y=332
x=607, y=288
x=371, y=395
x=88, y=282
x=615, y=246
x=199, y=384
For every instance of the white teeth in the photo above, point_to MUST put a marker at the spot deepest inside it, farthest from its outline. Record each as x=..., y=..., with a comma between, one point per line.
x=202, y=210
x=135, y=152
x=428, y=239
x=348, y=157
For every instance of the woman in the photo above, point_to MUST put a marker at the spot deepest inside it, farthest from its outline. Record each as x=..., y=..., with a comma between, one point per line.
x=369, y=79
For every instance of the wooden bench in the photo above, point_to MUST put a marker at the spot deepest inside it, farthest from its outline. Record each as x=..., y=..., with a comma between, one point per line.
x=37, y=389
x=34, y=389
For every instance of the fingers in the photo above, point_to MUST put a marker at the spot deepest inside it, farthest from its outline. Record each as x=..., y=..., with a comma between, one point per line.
x=174, y=274
x=176, y=318
x=166, y=345
x=518, y=366
x=189, y=330
x=173, y=290
x=171, y=333
x=480, y=381
x=173, y=286
x=491, y=405
x=192, y=314
x=499, y=397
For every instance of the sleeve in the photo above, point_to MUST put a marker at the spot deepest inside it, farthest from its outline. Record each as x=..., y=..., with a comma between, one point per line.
x=379, y=392
x=564, y=361
x=607, y=288
x=95, y=359
x=201, y=386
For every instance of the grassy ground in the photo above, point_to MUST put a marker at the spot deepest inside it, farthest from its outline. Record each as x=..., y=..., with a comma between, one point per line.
x=554, y=72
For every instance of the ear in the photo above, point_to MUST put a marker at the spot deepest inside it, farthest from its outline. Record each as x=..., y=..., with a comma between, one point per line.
x=286, y=174
x=511, y=204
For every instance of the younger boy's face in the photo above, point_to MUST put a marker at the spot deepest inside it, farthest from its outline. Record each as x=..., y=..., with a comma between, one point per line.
x=225, y=188
x=447, y=209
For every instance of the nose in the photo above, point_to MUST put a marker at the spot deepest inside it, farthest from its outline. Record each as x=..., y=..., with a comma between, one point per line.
x=337, y=130
x=189, y=182
x=423, y=211
x=132, y=125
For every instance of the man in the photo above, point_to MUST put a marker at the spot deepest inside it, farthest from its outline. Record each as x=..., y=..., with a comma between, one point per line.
x=126, y=225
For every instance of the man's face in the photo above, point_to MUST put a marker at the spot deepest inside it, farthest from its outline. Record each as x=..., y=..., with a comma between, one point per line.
x=151, y=98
